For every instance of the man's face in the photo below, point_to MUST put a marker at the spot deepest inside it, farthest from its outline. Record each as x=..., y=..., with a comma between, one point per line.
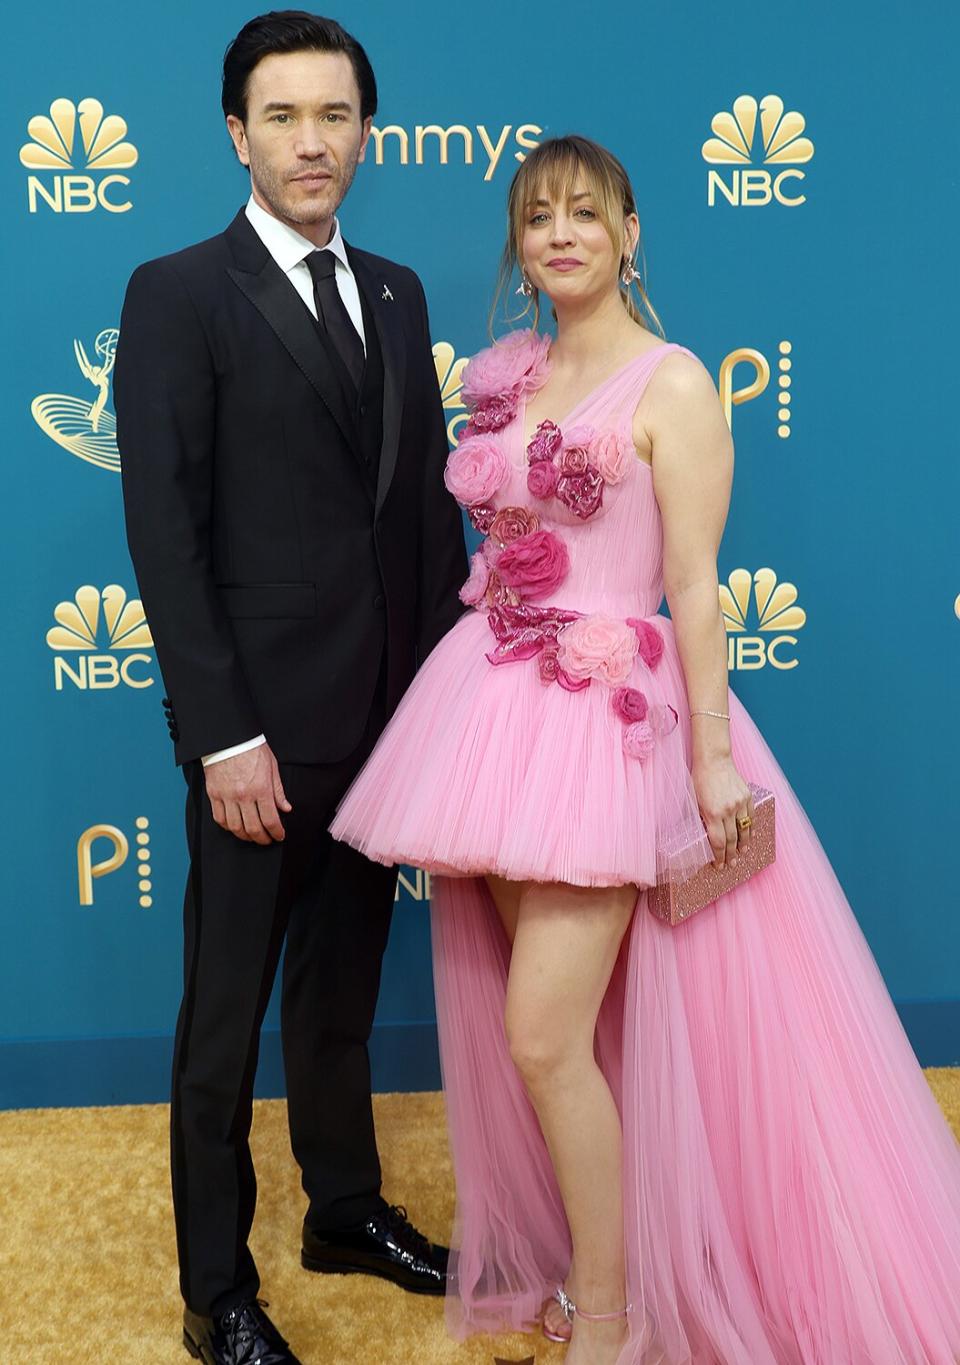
x=303, y=134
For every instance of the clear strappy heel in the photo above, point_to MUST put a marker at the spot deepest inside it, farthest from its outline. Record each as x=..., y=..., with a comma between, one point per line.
x=561, y=1297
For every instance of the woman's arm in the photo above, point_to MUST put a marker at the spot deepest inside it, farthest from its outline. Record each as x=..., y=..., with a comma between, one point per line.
x=682, y=421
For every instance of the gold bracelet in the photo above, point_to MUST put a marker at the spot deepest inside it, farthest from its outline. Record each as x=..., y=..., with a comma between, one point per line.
x=721, y=715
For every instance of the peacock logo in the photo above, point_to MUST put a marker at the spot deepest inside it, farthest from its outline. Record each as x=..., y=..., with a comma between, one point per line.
x=55, y=147
x=93, y=623
x=734, y=146
x=450, y=378
x=777, y=614
x=87, y=429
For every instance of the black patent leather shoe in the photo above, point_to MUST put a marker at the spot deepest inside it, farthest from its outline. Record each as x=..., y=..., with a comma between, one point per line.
x=386, y=1245
x=244, y=1336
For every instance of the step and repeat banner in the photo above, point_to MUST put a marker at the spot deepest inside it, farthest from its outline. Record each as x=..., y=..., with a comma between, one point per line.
x=799, y=227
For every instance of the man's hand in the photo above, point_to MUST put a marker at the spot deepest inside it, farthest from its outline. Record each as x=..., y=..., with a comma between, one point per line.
x=247, y=796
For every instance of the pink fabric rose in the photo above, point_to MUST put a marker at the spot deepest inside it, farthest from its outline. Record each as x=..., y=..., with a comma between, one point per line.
x=476, y=585
x=491, y=551
x=535, y=564
x=598, y=647
x=582, y=493
x=663, y=719
x=513, y=365
x=494, y=413
x=544, y=443
x=638, y=740
x=475, y=470
x=649, y=639
x=574, y=460
x=629, y=704
x=542, y=479
x=612, y=456
x=575, y=456
x=481, y=517
x=511, y=523
x=547, y=664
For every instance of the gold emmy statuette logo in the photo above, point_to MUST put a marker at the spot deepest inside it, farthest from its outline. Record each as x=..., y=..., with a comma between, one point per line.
x=777, y=613
x=492, y=144
x=450, y=378
x=54, y=148
x=416, y=890
x=730, y=397
x=87, y=430
x=78, y=631
x=88, y=870
x=732, y=147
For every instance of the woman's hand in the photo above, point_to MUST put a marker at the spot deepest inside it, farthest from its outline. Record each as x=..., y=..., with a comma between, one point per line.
x=722, y=796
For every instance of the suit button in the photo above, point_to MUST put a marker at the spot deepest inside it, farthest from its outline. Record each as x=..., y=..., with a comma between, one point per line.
x=363, y=409
x=378, y=601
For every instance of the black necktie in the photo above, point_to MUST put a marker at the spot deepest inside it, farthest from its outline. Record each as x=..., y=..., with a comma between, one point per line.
x=333, y=316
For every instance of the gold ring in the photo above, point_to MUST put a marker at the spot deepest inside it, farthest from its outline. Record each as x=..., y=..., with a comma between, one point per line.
x=744, y=822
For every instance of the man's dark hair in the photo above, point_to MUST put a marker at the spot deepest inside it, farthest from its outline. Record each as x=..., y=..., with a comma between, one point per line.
x=291, y=30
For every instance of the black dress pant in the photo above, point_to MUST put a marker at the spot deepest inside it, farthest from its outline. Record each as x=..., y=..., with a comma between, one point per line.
x=333, y=908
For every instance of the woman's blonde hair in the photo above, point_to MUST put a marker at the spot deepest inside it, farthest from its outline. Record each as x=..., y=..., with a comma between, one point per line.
x=555, y=166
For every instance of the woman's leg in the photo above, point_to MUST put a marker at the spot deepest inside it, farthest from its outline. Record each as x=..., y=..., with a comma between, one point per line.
x=565, y=945
x=506, y=897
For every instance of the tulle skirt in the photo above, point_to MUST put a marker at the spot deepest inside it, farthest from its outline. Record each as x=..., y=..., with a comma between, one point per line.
x=485, y=769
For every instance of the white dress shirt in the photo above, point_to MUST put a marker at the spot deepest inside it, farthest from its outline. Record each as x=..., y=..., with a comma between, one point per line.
x=290, y=251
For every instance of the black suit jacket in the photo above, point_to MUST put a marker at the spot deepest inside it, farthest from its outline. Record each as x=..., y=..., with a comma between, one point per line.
x=272, y=572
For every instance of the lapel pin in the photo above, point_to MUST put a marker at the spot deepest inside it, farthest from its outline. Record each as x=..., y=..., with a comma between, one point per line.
x=386, y=294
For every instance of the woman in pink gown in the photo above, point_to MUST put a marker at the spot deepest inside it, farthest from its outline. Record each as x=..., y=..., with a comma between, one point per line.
x=708, y=1144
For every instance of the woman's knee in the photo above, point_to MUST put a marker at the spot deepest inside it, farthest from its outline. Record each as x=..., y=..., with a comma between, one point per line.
x=540, y=1048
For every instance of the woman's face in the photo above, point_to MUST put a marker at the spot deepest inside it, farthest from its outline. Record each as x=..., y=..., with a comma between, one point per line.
x=565, y=248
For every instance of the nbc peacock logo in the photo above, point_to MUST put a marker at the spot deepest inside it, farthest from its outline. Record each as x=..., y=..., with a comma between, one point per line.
x=71, y=139
x=104, y=636
x=733, y=146
x=777, y=616
x=450, y=378
x=87, y=429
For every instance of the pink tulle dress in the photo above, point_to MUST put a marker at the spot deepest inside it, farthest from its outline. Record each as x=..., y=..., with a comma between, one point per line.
x=791, y=1187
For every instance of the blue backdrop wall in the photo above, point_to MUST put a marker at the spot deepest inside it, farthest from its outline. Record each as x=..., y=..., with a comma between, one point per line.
x=804, y=249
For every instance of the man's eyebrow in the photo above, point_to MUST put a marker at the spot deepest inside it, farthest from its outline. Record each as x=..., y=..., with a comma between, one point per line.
x=284, y=105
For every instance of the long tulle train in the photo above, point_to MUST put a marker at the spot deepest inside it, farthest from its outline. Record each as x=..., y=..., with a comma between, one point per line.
x=791, y=1188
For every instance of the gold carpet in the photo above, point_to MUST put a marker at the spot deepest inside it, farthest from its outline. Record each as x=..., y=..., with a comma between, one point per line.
x=88, y=1263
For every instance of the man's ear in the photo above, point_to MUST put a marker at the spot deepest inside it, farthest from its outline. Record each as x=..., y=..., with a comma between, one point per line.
x=238, y=136
x=365, y=138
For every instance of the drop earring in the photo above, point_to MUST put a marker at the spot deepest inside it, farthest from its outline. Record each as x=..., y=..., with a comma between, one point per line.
x=629, y=273
x=525, y=287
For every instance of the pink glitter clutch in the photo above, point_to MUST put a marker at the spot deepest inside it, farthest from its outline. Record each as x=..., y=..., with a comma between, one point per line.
x=680, y=892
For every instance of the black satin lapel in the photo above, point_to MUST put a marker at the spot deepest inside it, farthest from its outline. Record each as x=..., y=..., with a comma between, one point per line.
x=386, y=317
x=275, y=298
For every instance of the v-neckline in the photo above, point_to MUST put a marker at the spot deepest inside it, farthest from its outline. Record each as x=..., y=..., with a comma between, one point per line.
x=565, y=421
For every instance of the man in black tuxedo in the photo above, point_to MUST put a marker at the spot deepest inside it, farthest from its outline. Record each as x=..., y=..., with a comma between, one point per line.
x=283, y=445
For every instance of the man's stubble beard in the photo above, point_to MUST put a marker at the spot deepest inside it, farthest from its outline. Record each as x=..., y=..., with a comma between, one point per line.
x=274, y=188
